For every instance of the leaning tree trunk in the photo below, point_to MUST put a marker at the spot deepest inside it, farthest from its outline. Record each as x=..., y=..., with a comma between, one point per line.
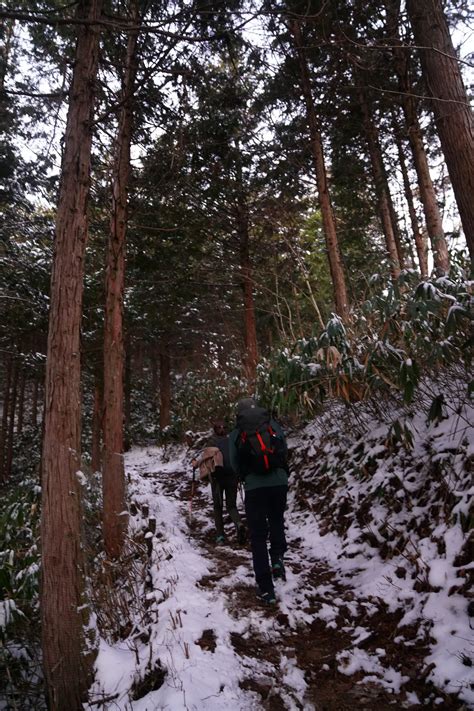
x=454, y=117
x=246, y=272
x=418, y=237
x=65, y=662
x=329, y=225
x=381, y=187
x=113, y=475
x=434, y=222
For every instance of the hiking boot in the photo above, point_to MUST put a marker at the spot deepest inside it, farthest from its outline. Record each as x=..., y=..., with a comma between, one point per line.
x=221, y=540
x=266, y=597
x=278, y=569
x=241, y=534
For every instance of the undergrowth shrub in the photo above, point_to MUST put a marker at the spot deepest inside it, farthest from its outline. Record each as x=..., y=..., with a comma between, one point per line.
x=399, y=333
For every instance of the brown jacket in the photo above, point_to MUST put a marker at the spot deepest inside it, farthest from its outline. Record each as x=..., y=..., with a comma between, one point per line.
x=208, y=460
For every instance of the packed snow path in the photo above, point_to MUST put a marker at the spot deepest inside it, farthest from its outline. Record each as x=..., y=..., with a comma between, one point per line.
x=212, y=645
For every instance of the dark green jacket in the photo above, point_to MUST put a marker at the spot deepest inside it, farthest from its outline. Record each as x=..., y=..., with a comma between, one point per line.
x=277, y=477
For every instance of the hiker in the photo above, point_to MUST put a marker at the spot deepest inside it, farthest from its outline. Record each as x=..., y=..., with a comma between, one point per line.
x=224, y=482
x=258, y=451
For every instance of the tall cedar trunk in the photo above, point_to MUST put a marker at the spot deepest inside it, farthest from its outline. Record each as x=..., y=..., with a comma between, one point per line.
x=246, y=272
x=381, y=186
x=65, y=663
x=113, y=475
x=96, y=458
x=11, y=419
x=6, y=407
x=165, y=387
x=419, y=239
x=434, y=222
x=454, y=118
x=329, y=226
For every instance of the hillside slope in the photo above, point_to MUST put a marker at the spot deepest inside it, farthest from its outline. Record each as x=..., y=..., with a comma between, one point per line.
x=375, y=610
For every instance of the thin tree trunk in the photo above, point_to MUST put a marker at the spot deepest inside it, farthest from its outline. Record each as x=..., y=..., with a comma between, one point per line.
x=154, y=360
x=246, y=271
x=7, y=27
x=381, y=186
x=165, y=387
x=434, y=222
x=454, y=117
x=96, y=429
x=34, y=402
x=419, y=239
x=336, y=267
x=115, y=520
x=21, y=402
x=11, y=419
x=66, y=665
x=6, y=407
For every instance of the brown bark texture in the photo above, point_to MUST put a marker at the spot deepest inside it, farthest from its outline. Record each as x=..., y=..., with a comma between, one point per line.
x=336, y=267
x=381, y=186
x=418, y=237
x=246, y=273
x=115, y=520
x=64, y=660
x=453, y=115
x=434, y=222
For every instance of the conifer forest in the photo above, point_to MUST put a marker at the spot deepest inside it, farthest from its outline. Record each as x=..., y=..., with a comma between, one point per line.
x=208, y=200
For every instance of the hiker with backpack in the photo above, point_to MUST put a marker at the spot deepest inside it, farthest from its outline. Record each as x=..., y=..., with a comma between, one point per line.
x=258, y=453
x=214, y=463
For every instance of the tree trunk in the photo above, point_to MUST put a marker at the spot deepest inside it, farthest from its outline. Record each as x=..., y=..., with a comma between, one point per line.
x=65, y=663
x=6, y=407
x=21, y=402
x=165, y=387
x=34, y=402
x=420, y=242
x=454, y=118
x=329, y=226
x=96, y=458
x=250, y=327
x=381, y=186
x=115, y=520
x=11, y=419
x=434, y=222
x=7, y=27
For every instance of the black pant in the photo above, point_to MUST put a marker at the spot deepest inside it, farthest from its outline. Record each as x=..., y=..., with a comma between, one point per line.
x=224, y=484
x=265, y=509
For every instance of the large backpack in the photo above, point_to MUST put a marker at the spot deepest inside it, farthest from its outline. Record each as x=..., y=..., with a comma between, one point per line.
x=259, y=448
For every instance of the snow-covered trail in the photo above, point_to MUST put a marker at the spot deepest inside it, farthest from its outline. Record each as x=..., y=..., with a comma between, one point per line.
x=207, y=644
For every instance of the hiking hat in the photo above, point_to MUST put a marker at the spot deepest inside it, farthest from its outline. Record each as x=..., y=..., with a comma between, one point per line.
x=246, y=403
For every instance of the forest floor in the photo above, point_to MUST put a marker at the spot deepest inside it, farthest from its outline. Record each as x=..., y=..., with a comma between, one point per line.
x=203, y=641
